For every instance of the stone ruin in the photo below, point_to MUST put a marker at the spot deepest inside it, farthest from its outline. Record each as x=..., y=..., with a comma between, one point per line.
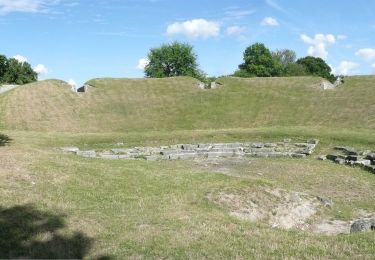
x=352, y=157
x=211, y=150
x=325, y=85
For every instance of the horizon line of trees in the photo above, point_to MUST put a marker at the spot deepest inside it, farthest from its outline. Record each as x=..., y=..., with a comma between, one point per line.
x=13, y=71
x=179, y=59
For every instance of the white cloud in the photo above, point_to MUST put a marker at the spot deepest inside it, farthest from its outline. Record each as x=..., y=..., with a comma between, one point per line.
x=345, y=68
x=270, y=21
x=235, y=30
x=72, y=83
x=367, y=53
x=20, y=58
x=273, y=4
x=142, y=63
x=237, y=13
x=318, y=44
x=41, y=69
x=373, y=68
x=196, y=28
x=29, y=6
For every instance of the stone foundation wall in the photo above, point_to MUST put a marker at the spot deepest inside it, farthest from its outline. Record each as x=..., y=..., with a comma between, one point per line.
x=352, y=157
x=211, y=150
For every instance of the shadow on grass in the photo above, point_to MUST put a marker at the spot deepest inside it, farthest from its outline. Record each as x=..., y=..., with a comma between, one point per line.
x=4, y=140
x=26, y=232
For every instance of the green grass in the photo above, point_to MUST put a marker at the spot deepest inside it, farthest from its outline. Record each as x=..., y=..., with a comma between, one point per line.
x=117, y=105
x=56, y=205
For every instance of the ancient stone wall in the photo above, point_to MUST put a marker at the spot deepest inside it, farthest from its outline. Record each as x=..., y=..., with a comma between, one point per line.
x=211, y=150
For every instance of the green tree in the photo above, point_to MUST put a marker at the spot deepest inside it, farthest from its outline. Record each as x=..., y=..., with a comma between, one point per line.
x=3, y=67
x=317, y=66
x=284, y=56
x=175, y=59
x=19, y=72
x=258, y=62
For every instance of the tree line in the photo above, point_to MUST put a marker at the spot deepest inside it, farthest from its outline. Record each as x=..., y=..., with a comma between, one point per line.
x=13, y=71
x=179, y=59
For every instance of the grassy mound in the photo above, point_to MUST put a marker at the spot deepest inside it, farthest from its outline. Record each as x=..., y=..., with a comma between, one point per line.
x=115, y=105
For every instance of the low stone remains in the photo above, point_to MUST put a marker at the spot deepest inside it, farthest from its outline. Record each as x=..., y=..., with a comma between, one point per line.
x=363, y=225
x=353, y=157
x=196, y=151
x=325, y=85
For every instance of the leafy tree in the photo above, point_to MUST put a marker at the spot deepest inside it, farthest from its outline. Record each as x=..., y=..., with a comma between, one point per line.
x=258, y=62
x=175, y=59
x=3, y=67
x=284, y=56
x=19, y=72
x=294, y=69
x=317, y=66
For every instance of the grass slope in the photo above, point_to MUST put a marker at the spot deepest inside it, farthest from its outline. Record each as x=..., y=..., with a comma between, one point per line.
x=116, y=105
x=55, y=205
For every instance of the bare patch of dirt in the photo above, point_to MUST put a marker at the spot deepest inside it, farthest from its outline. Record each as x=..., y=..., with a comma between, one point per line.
x=276, y=207
x=281, y=209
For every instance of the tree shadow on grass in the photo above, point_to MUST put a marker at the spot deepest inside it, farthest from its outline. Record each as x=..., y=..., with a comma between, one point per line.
x=26, y=232
x=4, y=140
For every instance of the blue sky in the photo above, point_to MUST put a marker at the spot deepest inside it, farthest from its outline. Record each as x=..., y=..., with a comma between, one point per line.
x=81, y=40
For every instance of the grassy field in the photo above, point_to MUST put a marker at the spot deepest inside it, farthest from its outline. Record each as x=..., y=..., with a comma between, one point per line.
x=55, y=205
x=117, y=105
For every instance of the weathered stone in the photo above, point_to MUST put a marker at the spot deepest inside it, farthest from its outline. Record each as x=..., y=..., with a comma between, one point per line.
x=313, y=141
x=109, y=156
x=326, y=202
x=205, y=146
x=322, y=157
x=227, y=145
x=371, y=156
x=298, y=155
x=71, y=149
x=276, y=155
x=362, y=162
x=287, y=140
x=332, y=157
x=120, y=151
x=183, y=156
x=340, y=161
x=219, y=154
x=257, y=145
x=353, y=158
x=88, y=154
x=189, y=147
x=363, y=225
x=370, y=168
x=270, y=145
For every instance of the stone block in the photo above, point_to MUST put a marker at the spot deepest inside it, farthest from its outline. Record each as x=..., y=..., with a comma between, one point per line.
x=363, y=225
x=270, y=145
x=340, y=161
x=299, y=155
x=189, y=146
x=219, y=154
x=120, y=151
x=183, y=156
x=362, y=162
x=322, y=158
x=87, y=154
x=71, y=149
x=257, y=145
x=227, y=145
x=371, y=156
x=370, y=168
x=109, y=156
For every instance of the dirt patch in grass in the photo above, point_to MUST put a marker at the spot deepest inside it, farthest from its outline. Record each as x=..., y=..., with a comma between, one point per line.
x=276, y=207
